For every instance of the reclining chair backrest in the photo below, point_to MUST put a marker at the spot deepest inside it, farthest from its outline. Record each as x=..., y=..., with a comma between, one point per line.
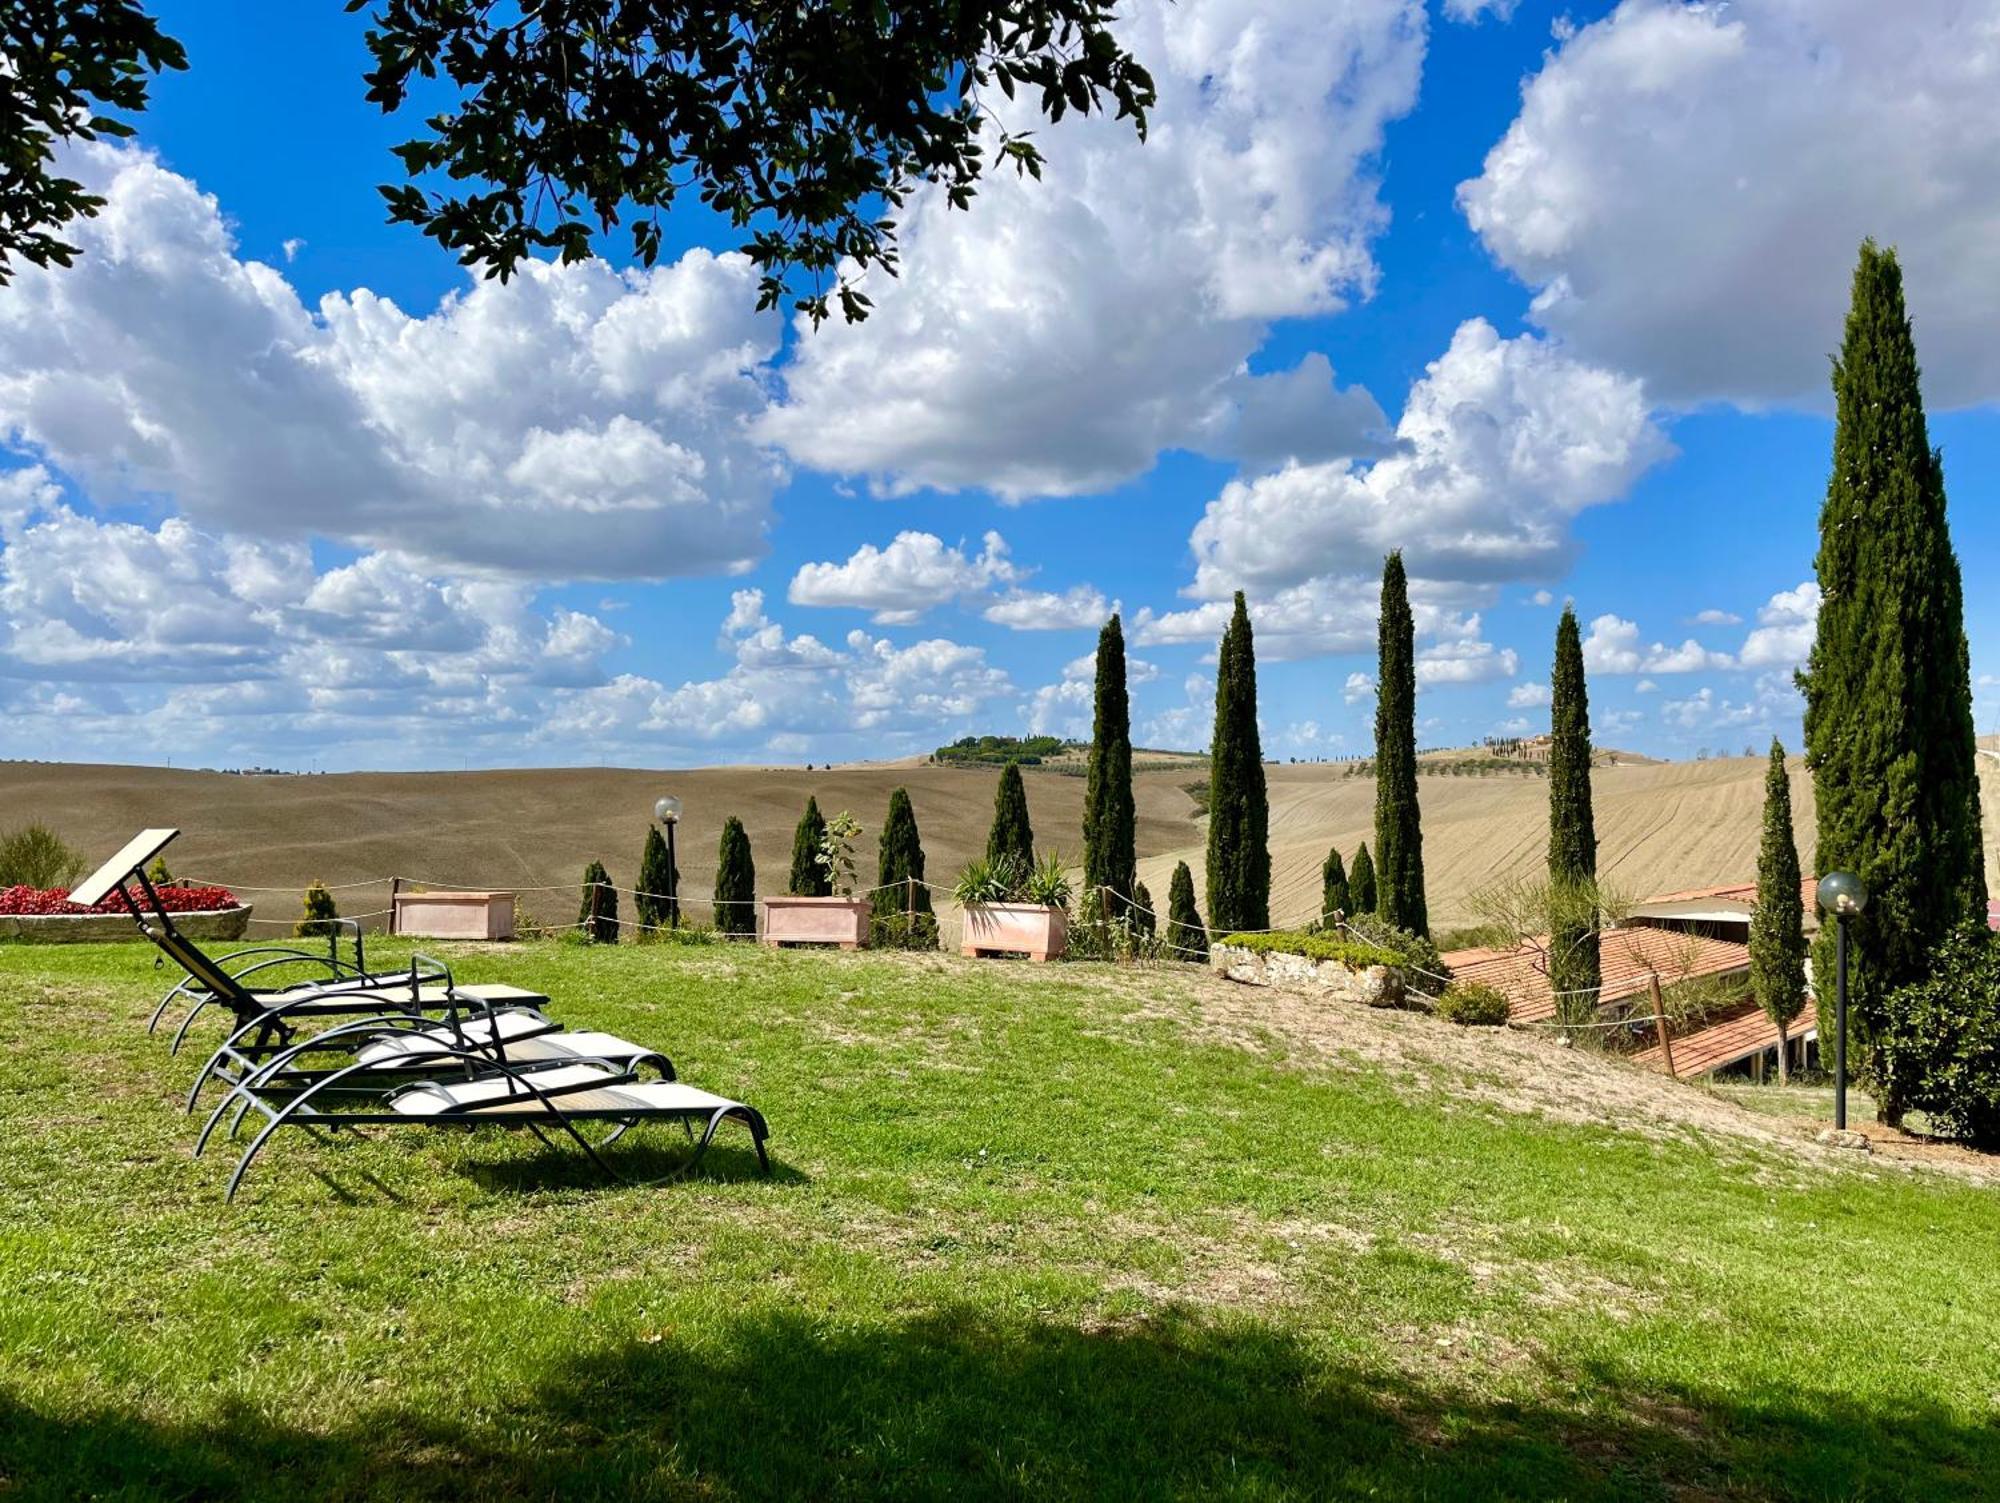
x=129, y=866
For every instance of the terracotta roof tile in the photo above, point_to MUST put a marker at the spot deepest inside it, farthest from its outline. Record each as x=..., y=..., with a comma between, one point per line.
x=1727, y=1040
x=1627, y=958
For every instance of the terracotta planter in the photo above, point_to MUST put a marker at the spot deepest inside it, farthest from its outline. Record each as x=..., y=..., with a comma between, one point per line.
x=453, y=915
x=792, y=920
x=81, y=928
x=1032, y=929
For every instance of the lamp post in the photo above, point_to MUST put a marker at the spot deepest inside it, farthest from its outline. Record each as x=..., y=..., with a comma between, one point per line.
x=668, y=812
x=1843, y=895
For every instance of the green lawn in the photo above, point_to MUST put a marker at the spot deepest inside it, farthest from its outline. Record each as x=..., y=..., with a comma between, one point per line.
x=1033, y=1233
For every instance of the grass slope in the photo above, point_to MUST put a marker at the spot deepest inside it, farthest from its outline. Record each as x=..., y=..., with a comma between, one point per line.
x=1063, y=1232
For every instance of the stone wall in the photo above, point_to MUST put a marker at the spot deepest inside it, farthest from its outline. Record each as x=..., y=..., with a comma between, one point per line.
x=1373, y=986
x=89, y=928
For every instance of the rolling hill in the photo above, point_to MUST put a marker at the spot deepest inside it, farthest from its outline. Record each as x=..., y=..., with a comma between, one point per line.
x=1661, y=825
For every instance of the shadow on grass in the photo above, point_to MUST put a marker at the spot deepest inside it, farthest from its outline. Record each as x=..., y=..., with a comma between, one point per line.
x=960, y=1404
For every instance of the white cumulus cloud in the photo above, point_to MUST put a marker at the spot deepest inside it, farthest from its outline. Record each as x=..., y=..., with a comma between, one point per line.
x=899, y=583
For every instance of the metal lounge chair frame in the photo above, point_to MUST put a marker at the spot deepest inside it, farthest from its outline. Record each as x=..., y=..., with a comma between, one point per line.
x=298, y=1111
x=356, y=993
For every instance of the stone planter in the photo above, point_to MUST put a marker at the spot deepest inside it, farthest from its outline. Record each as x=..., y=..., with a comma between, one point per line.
x=453, y=915
x=1372, y=986
x=1032, y=929
x=91, y=928
x=792, y=920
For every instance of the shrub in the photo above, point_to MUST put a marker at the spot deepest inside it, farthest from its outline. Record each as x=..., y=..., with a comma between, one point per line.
x=1185, y=938
x=597, y=918
x=319, y=911
x=18, y=902
x=808, y=880
x=735, y=880
x=1473, y=1004
x=900, y=913
x=656, y=904
x=35, y=856
x=1414, y=952
x=157, y=873
x=1938, y=1051
x=1353, y=953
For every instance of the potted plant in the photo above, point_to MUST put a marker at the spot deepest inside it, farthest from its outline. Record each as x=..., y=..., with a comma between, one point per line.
x=1011, y=908
x=841, y=919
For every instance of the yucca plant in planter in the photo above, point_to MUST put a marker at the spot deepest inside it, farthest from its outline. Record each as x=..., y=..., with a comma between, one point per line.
x=841, y=919
x=1012, y=908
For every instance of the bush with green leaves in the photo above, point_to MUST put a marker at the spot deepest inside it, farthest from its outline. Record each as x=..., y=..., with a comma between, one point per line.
x=901, y=916
x=1186, y=938
x=319, y=913
x=808, y=879
x=1939, y=1047
x=1414, y=952
x=1473, y=1004
x=656, y=904
x=735, y=881
x=1011, y=880
x=1355, y=954
x=35, y=856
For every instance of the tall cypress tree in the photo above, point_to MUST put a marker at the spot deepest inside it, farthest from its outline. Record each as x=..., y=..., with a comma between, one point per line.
x=1574, y=972
x=656, y=905
x=1110, y=826
x=1239, y=853
x=1361, y=881
x=809, y=879
x=735, y=881
x=1889, y=734
x=1334, y=894
x=1186, y=938
x=902, y=907
x=1777, y=923
x=1012, y=837
x=1399, y=836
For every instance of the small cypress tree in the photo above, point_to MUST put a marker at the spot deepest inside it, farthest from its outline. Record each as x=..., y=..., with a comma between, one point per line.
x=1361, y=881
x=656, y=905
x=1777, y=924
x=598, y=917
x=1399, y=837
x=1011, y=836
x=1334, y=896
x=809, y=878
x=1239, y=854
x=318, y=909
x=735, y=881
x=902, y=906
x=1144, y=920
x=1186, y=938
x=1110, y=851
x=1573, y=930
x=1889, y=730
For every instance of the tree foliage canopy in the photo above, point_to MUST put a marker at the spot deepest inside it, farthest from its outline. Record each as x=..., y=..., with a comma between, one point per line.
x=809, y=878
x=805, y=123
x=1889, y=730
x=1110, y=830
x=1399, y=836
x=1777, y=923
x=1239, y=852
x=1012, y=837
x=1185, y=936
x=735, y=880
x=67, y=65
x=1361, y=880
x=1575, y=970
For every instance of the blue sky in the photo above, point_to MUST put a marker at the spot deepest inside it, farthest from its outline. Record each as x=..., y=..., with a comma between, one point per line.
x=1541, y=294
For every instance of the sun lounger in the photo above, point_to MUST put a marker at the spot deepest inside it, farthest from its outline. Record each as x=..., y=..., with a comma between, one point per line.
x=560, y=1097
x=425, y=986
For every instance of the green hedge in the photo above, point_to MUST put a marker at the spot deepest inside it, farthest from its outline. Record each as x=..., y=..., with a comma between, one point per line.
x=1473, y=1004
x=1349, y=952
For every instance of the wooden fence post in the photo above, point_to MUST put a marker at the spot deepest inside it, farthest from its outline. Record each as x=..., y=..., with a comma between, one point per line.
x=1660, y=1022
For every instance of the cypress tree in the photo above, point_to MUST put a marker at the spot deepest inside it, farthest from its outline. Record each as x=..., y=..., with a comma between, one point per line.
x=902, y=914
x=1889, y=734
x=656, y=904
x=1144, y=920
x=598, y=917
x=1110, y=825
x=1573, y=923
x=809, y=878
x=1399, y=836
x=1186, y=938
x=1361, y=881
x=1777, y=923
x=1012, y=837
x=1239, y=855
x=735, y=880
x=1334, y=896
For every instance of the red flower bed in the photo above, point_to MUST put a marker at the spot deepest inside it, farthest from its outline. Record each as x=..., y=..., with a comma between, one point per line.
x=16, y=902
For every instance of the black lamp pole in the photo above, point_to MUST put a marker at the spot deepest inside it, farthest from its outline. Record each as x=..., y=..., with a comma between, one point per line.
x=674, y=894
x=1840, y=1028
